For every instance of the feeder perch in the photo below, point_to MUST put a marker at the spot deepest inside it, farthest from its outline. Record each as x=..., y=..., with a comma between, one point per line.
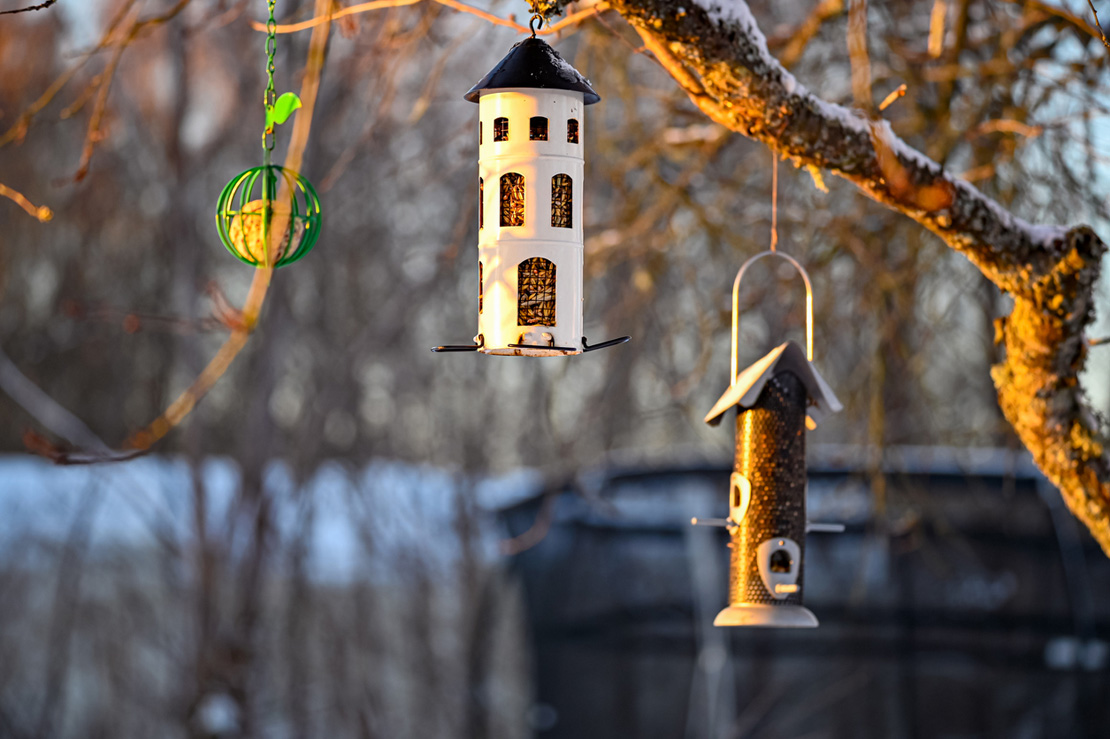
x=776, y=399
x=530, y=174
x=260, y=200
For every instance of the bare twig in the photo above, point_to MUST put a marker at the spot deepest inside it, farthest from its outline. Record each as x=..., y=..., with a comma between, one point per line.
x=857, y=52
x=894, y=95
x=40, y=6
x=44, y=409
x=41, y=212
x=1099, y=25
x=571, y=19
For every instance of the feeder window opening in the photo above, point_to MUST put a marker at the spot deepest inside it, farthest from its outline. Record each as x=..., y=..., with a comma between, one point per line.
x=500, y=129
x=481, y=127
x=572, y=131
x=481, y=290
x=481, y=203
x=512, y=199
x=781, y=561
x=562, y=200
x=537, y=129
x=535, y=279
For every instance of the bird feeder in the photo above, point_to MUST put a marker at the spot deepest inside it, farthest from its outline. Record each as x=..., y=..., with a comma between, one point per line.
x=269, y=216
x=530, y=174
x=776, y=399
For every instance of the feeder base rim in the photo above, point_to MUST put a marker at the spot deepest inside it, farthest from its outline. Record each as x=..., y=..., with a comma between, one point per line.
x=753, y=614
x=537, y=352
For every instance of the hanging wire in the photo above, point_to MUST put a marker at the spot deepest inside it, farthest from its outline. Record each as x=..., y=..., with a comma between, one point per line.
x=269, y=96
x=774, y=202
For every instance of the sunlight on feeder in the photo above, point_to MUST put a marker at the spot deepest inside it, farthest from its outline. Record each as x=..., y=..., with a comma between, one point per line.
x=530, y=174
x=776, y=399
x=250, y=206
x=269, y=197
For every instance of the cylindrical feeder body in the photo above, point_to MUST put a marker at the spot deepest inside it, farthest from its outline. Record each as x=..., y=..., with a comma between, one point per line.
x=530, y=244
x=768, y=506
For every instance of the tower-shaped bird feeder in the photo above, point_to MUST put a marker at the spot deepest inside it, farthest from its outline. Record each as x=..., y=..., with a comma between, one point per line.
x=776, y=399
x=530, y=174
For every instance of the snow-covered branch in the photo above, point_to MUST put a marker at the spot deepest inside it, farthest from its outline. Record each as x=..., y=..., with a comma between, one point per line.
x=715, y=50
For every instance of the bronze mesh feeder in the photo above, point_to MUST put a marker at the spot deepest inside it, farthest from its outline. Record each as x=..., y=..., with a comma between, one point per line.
x=776, y=399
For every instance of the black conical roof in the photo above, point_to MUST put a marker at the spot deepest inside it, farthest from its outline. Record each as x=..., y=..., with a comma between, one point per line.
x=533, y=63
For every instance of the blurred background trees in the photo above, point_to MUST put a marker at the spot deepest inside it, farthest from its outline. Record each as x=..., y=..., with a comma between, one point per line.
x=108, y=309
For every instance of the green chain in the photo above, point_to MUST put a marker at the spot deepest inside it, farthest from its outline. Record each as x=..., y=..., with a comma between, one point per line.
x=269, y=96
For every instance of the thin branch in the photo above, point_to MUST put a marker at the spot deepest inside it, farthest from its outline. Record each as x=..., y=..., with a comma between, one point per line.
x=43, y=6
x=94, y=134
x=857, y=53
x=1099, y=25
x=44, y=409
x=453, y=4
x=19, y=128
x=41, y=212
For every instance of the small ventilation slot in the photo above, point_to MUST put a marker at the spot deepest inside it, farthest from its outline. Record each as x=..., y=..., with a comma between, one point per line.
x=562, y=201
x=512, y=199
x=537, y=129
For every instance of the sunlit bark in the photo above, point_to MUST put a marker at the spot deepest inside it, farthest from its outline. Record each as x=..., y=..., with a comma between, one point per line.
x=715, y=51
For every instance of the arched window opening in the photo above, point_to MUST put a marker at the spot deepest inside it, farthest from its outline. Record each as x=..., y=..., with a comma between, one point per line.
x=572, y=131
x=562, y=201
x=481, y=288
x=512, y=199
x=481, y=203
x=535, y=279
x=537, y=129
x=500, y=129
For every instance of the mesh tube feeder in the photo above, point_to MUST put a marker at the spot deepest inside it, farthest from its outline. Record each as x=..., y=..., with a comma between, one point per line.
x=530, y=175
x=776, y=399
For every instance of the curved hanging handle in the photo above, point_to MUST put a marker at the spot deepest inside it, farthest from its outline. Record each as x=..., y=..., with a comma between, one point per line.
x=736, y=306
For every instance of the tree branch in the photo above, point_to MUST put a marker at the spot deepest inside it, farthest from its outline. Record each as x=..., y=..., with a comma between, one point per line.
x=716, y=52
x=48, y=3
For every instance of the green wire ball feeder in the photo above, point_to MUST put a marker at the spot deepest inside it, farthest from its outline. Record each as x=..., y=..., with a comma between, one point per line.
x=249, y=208
x=257, y=202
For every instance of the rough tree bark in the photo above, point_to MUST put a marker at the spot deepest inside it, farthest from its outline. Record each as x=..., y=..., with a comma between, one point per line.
x=716, y=52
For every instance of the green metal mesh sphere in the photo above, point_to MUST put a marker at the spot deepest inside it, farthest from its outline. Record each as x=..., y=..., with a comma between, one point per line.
x=250, y=204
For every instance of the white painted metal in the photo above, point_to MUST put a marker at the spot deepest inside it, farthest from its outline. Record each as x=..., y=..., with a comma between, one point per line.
x=501, y=249
x=736, y=306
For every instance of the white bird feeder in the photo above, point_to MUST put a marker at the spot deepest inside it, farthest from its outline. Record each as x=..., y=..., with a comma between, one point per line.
x=530, y=175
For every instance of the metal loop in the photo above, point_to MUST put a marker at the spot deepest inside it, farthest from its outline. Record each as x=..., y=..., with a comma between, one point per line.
x=736, y=306
x=535, y=23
